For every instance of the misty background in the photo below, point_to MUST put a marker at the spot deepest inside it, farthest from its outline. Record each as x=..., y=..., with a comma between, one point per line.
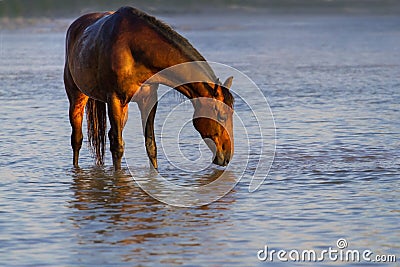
x=62, y=8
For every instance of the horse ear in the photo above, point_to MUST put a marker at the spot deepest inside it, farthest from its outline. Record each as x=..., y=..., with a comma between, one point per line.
x=228, y=82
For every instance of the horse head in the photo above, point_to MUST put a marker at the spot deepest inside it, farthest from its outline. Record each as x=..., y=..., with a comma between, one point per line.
x=213, y=119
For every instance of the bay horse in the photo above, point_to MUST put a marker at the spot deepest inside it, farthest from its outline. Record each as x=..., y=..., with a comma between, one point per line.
x=109, y=59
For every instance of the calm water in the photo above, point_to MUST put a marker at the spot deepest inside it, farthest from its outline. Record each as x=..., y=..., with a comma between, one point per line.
x=333, y=84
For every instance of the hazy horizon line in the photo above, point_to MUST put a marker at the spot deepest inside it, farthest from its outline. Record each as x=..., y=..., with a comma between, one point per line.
x=57, y=8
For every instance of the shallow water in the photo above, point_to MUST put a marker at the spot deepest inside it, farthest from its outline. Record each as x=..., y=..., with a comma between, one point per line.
x=333, y=84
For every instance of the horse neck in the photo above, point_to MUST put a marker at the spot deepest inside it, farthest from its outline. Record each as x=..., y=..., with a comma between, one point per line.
x=194, y=90
x=185, y=70
x=188, y=76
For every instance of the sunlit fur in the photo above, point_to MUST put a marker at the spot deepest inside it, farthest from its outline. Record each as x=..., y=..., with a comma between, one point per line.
x=110, y=57
x=214, y=121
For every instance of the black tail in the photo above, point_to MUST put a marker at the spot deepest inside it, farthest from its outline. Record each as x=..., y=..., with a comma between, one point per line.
x=96, y=116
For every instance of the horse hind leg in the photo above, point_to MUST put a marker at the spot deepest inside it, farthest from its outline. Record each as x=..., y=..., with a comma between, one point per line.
x=77, y=103
x=148, y=106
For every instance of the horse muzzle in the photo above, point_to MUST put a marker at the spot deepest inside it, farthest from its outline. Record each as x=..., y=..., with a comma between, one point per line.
x=222, y=159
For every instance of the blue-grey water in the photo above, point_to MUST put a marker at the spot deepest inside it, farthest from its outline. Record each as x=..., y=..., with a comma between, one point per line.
x=333, y=84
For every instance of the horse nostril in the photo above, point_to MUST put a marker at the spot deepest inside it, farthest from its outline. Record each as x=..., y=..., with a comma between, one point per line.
x=226, y=161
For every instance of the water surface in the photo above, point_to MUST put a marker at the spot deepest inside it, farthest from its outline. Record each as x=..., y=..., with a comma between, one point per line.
x=333, y=83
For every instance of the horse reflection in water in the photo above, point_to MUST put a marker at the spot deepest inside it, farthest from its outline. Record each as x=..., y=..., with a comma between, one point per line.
x=108, y=207
x=109, y=60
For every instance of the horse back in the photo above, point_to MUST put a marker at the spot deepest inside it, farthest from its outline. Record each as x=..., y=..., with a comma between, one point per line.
x=114, y=52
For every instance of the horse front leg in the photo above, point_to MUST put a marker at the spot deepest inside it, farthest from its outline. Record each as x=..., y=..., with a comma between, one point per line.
x=117, y=113
x=148, y=108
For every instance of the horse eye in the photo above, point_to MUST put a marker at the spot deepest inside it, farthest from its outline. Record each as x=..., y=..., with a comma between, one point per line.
x=222, y=117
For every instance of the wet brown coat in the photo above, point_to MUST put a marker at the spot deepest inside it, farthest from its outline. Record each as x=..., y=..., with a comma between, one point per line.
x=110, y=56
